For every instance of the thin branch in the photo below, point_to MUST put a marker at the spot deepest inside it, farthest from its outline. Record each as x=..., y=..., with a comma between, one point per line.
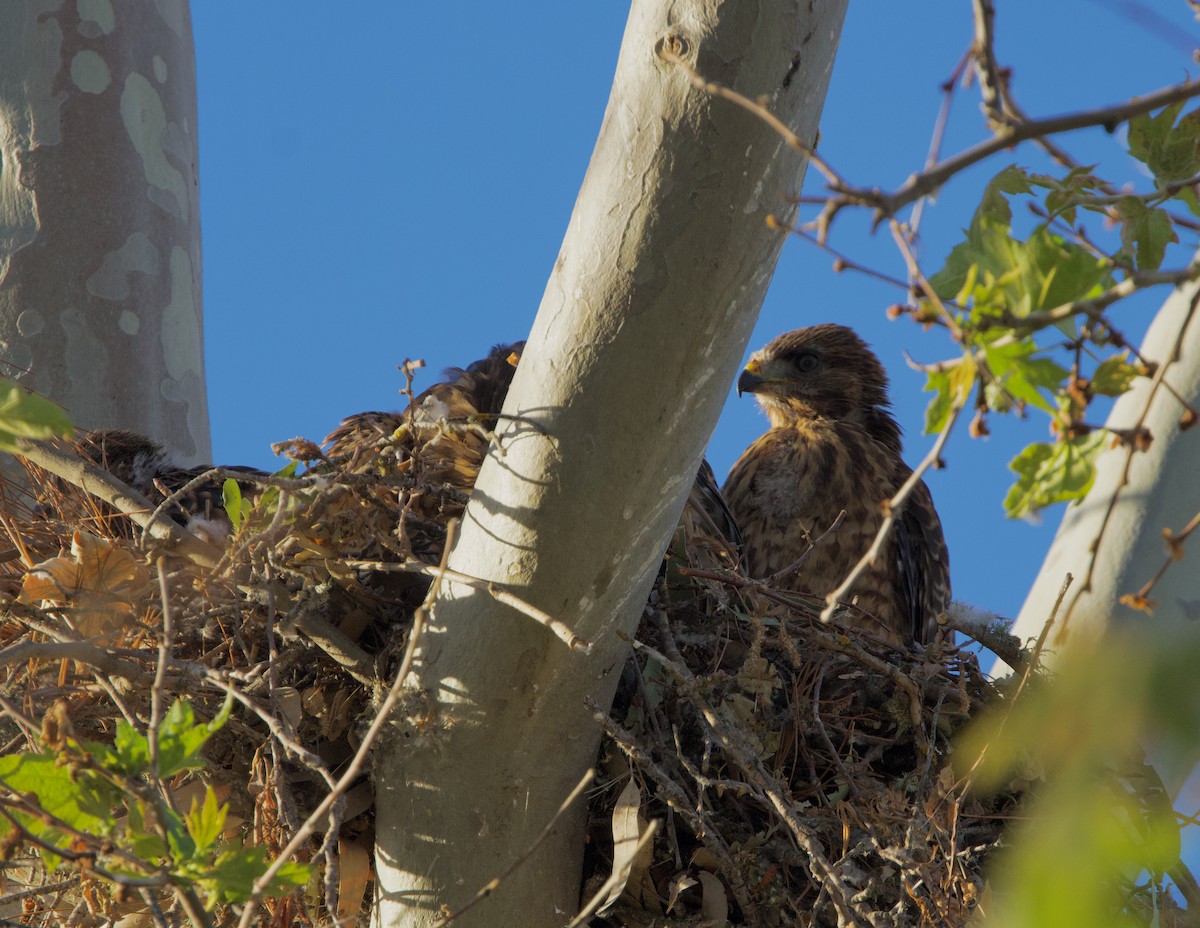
x=990, y=630
x=160, y=673
x=840, y=261
x=779, y=578
x=494, y=884
x=602, y=893
x=928, y=181
x=893, y=507
x=757, y=108
x=1175, y=542
x=919, y=280
x=965, y=781
x=1130, y=451
x=95, y=480
x=354, y=768
x=560, y=629
x=732, y=740
x=991, y=83
x=672, y=794
x=79, y=651
x=823, y=734
x=1094, y=307
x=939, y=133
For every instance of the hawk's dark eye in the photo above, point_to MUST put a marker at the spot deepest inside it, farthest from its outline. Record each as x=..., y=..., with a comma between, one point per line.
x=807, y=362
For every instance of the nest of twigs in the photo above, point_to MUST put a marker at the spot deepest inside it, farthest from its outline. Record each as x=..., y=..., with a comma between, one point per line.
x=797, y=772
x=290, y=618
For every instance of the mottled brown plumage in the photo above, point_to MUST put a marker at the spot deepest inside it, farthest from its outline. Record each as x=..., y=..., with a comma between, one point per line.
x=441, y=439
x=833, y=446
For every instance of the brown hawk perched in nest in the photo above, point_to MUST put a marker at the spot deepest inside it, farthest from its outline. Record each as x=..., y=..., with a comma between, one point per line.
x=833, y=445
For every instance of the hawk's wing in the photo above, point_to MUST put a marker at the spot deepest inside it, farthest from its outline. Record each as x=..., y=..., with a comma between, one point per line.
x=922, y=561
x=705, y=498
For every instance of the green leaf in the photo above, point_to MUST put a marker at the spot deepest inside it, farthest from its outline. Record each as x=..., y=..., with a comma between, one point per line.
x=1000, y=274
x=58, y=793
x=132, y=751
x=948, y=386
x=263, y=510
x=290, y=874
x=1067, y=193
x=237, y=508
x=146, y=844
x=28, y=415
x=1097, y=819
x=1188, y=196
x=1145, y=232
x=230, y=878
x=1170, y=150
x=1053, y=473
x=206, y=821
x=180, y=738
x=1054, y=271
x=993, y=206
x=1114, y=376
x=993, y=216
x=1024, y=376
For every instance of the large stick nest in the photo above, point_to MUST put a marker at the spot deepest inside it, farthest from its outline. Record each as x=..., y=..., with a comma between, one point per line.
x=797, y=771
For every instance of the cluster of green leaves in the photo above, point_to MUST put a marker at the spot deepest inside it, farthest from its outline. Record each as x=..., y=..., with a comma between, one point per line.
x=1002, y=291
x=97, y=803
x=28, y=415
x=255, y=513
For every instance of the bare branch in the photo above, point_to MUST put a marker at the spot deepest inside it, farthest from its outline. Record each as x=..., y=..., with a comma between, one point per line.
x=893, y=506
x=757, y=108
x=560, y=629
x=104, y=486
x=928, y=181
x=358, y=762
x=493, y=885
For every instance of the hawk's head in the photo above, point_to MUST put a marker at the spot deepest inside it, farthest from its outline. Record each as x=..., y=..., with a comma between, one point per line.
x=824, y=370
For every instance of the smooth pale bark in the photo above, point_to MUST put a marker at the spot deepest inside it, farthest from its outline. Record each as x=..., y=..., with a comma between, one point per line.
x=99, y=214
x=1163, y=493
x=640, y=332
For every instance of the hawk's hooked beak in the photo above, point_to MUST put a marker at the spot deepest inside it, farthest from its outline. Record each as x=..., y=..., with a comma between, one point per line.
x=751, y=379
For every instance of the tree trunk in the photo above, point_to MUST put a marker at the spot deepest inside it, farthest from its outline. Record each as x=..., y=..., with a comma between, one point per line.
x=99, y=215
x=1162, y=492
x=641, y=329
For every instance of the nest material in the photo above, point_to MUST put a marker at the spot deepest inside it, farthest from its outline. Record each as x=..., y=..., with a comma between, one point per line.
x=800, y=765
x=286, y=620
x=798, y=770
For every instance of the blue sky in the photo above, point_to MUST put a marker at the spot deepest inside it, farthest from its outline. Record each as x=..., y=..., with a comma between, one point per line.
x=395, y=182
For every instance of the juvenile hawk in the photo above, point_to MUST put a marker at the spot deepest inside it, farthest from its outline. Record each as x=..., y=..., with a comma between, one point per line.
x=833, y=446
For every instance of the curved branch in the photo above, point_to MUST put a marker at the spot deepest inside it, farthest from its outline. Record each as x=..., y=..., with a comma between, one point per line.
x=95, y=480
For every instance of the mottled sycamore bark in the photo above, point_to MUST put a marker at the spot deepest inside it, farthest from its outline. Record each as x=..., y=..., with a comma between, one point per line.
x=99, y=214
x=643, y=324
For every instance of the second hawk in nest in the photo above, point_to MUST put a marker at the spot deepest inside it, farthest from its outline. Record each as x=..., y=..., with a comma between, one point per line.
x=443, y=437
